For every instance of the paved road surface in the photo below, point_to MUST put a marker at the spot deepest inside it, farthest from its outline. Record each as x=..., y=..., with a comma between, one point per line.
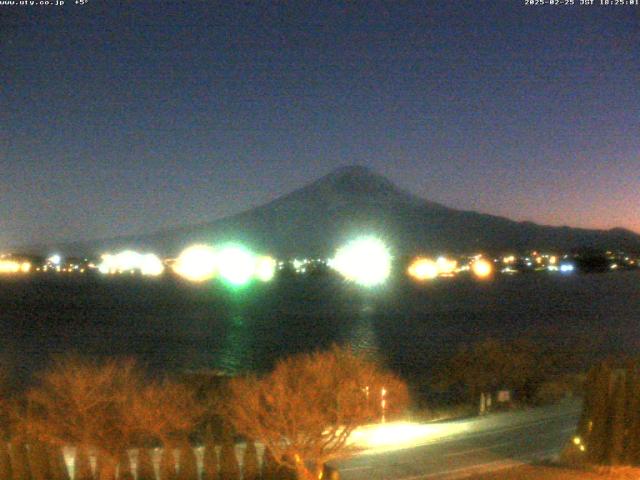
x=459, y=448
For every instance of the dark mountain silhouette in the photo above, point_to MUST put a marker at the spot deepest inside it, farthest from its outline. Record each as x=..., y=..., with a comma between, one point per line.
x=353, y=200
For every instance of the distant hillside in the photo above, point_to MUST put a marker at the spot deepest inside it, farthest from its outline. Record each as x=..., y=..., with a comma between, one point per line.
x=354, y=200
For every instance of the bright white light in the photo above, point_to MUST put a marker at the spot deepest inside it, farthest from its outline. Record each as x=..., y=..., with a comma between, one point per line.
x=130, y=261
x=399, y=435
x=236, y=265
x=54, y=259
x=118, y=263
x=567, y=267
x=446, y=266
x=107, y=262
x=482, y=268
x=423, y=269
x=151, y=265
x=265, y=268
x=12, y=266
x=196, y=263
x=365, y=261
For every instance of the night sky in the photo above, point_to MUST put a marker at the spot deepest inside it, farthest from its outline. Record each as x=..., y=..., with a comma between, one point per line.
x=129, y=117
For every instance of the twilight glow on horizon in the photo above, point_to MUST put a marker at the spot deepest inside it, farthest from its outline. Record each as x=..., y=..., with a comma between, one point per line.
x=121, y=118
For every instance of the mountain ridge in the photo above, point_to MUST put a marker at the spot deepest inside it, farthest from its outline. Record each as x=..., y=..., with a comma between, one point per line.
x=354, y=200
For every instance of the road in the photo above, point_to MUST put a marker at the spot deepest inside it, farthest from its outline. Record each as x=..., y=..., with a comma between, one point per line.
x=460, y=448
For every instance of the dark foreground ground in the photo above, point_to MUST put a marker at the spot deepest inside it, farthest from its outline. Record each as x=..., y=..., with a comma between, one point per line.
x=460, y=448
x=542, y=472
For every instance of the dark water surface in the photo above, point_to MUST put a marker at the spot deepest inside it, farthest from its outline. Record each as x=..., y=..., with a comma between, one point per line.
x=170, y=325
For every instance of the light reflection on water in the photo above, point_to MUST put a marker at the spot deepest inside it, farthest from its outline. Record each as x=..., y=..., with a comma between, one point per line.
x=173, y=327
x=235, y=356
x=362, y=335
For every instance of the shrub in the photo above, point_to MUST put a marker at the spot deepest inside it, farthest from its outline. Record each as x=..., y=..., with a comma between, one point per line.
x=5, y=461
x=81, y=466
x=209, y=460
x=145, y=465
x=250, y=467
x=19, y=461
x=188, y=464
x=168, y=464
x=57, y=464
x=124, y=467
x=229, y=469
x=39, y=461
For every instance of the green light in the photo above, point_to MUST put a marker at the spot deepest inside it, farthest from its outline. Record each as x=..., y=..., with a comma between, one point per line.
x=236, y=265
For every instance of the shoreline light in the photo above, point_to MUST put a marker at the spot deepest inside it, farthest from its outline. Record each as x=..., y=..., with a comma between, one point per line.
x=446, y=266
x=567, y=267
x=422, y=269
x=151, y=265
x=55, y=259
x=196, y=263
x=129, y=261
x=365, y=261
x=265, y=268
x=14, y=266
x=482, y=268
x=236, y=265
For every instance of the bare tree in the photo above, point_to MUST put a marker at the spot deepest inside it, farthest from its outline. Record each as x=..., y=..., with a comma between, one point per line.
x=59, y=470
x=305, y=410
x=209, y=460
x=145, y=465
x=103, y=406
x=490, y=364
x=165, y=411
x=5, y=461
x=19, y=461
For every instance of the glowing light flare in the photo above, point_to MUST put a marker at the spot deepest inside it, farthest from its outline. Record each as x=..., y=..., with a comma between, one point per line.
x=196, y=263
x=105, y=266
x=567, y=267
x=151, y=265
x=391, y=436
x=129, y=261
x=482, y=268
x=13, y=266
x=422, y=269
x=446, y=266
x=365, y=261
x=54, y=259
x=265, y=268
x=236, y=265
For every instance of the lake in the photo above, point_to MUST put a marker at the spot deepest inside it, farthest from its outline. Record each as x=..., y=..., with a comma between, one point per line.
x=170, y=325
